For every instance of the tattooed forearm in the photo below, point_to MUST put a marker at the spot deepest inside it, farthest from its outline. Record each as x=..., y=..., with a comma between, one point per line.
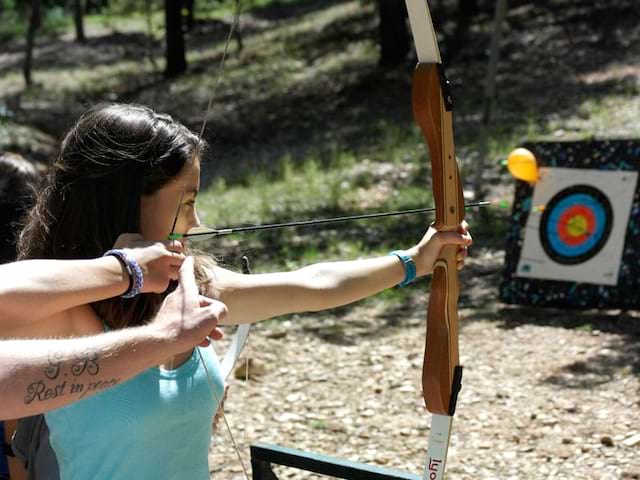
x=41, y=375
x=70, y=378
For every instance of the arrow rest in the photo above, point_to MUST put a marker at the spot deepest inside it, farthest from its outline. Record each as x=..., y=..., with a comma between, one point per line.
x=445, y=85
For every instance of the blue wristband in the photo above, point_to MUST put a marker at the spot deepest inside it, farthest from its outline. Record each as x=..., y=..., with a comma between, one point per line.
x=409, y=266
x=133, y=269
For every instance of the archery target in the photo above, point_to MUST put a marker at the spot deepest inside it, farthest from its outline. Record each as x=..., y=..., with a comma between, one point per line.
x=576, y=226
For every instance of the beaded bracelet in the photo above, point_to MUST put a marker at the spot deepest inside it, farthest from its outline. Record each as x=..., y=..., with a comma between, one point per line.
x=133, y=269
x=409, y=266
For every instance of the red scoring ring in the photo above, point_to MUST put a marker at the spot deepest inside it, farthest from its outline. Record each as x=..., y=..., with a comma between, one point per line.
x=565, y=219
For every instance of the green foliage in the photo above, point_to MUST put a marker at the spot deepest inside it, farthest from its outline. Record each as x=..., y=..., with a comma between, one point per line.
x=56, y=20
x=585, y=327
x=278, y=196
x=58, y=14
x=12, y=25
x=129, y=7
x=318, y=424
x=15, y=19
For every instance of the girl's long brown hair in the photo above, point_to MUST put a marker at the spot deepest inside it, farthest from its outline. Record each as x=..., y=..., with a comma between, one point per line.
x=114, y=154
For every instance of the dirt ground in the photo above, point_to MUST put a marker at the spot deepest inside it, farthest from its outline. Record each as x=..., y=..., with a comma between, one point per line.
x=546, y=393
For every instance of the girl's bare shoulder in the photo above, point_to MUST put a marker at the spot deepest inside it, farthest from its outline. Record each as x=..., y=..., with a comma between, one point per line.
x=84, y=321
x=74, y=322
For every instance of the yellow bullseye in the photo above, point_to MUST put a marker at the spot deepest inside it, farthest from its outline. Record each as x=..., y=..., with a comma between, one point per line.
x=577, y=226
x=522, y=165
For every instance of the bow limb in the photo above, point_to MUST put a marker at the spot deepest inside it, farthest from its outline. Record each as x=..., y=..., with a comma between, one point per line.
x=234, y=350
x=432, y=107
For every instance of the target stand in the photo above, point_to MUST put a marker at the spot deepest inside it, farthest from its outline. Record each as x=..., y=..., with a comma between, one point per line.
x=574, y=239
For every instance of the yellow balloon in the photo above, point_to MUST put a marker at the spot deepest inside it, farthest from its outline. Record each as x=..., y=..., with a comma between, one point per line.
x=522, y=165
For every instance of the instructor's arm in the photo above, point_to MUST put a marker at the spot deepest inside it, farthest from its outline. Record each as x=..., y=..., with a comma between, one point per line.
x=41, y=375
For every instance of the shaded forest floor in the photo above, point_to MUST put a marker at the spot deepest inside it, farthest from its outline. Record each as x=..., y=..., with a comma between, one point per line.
x=547, y=393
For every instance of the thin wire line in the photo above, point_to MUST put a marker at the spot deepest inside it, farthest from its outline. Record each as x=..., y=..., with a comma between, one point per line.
x=234, y=23
x=175, y=219
x=224, y=416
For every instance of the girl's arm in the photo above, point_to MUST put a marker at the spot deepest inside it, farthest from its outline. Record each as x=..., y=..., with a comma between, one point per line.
x=251, y=298
x=35, y=289
x=31, y=290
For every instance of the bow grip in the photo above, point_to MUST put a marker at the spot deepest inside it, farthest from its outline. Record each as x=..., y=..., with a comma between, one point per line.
x=441, y=374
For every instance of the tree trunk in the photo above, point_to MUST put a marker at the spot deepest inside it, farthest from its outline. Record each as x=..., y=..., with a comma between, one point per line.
x=150, y=37
x=467, y=9
x=489, y=96
x=238, y=35
x=78, y=19
x=34, y=24
x=175, y=54
x=393, y=31
x=95, y=6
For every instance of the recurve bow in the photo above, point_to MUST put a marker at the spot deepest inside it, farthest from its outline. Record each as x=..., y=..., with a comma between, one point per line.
x=432, y=109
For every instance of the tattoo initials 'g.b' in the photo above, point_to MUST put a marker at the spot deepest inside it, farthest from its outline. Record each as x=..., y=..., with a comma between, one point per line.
x=88, y=363
x=55, y=362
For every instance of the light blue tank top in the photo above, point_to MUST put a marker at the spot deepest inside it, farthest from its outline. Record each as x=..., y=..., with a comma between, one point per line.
x=156, y=425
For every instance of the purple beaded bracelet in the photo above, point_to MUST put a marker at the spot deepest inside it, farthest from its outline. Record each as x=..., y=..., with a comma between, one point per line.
x=133, y=269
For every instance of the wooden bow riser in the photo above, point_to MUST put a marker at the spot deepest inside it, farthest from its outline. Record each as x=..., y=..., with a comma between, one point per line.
x=432, y=108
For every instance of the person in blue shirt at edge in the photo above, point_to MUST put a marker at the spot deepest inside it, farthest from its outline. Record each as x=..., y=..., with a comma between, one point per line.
x=125, y=168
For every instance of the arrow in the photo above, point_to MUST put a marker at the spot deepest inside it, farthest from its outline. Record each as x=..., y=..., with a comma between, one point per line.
x=203, y=233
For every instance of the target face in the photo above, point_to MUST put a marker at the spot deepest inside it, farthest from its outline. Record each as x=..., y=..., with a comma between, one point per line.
x=576, y=224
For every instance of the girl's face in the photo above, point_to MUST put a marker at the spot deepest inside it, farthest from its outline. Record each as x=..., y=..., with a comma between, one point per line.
x=158, y=210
